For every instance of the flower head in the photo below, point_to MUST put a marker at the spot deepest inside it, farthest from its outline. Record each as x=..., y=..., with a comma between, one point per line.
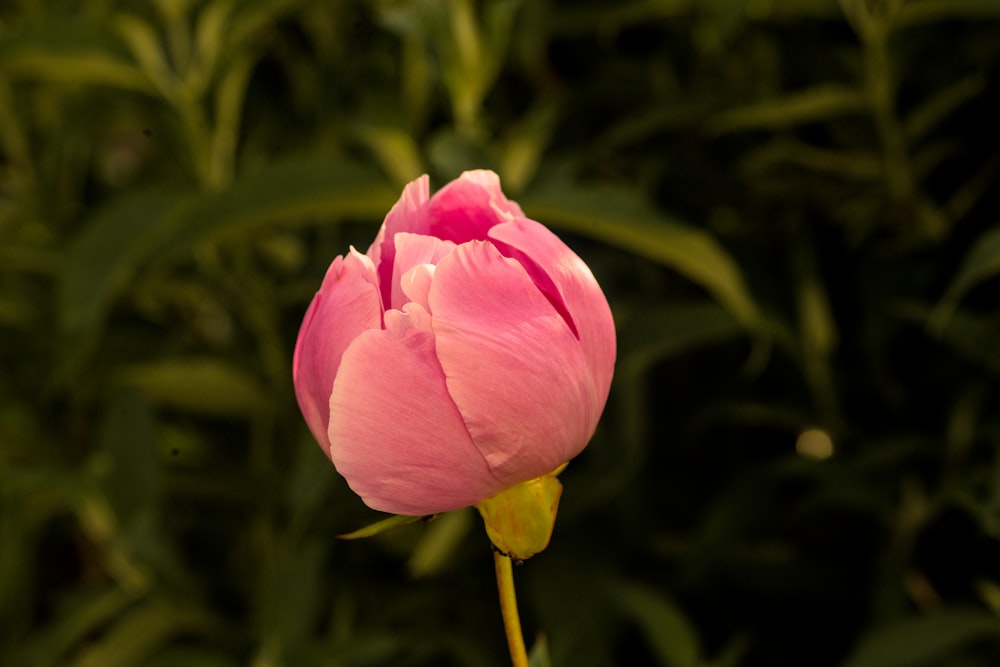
x=467, y=351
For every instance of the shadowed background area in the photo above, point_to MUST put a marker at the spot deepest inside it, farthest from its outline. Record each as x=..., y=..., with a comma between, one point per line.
x=791, y=205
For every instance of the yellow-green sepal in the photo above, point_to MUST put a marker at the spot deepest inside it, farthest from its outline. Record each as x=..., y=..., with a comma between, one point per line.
x=519, y=520
x=379, y=527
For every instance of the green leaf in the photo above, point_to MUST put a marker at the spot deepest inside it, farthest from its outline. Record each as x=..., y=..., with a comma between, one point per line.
x=657, y=331
x=309, y=484
x=932, y=11
x=859, y=165
x=71, y=54
x=647, y=336
x=84, y=617
x=612, y=17
x=624, y=220
x=289, y=596
x=142, y=632
x=981, y=262
x=293, y=190
x=524, y=144
x=821, y=102
x=191, y=656
x=132, y=468
x=794, y=9
x=106, y=255
x=732, y=653
x=250, y=16
x=436, y=546
x=817, y=330
x=199, y=385
x=989, y=592
x=15, y=313
x=666, y=629
x=450, y=152
x=925, y=640
x=539, y=654
x=943, y=102
x=394, y=148
x=384, y=525
x=638, y=126
x=19, y=540
x=367, y=648
x=974, y=337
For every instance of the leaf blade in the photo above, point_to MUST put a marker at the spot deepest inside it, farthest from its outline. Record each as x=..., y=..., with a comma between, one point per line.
x=818, y=103
x=980, y=263
x=291, y=190
x=922, y=640
x=379, y=527
x=623, y=220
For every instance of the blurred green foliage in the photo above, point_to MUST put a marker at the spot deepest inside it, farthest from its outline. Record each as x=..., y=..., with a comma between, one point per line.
x=792, y=205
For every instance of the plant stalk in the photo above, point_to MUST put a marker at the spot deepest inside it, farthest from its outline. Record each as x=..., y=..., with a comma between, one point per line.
x=508, y=609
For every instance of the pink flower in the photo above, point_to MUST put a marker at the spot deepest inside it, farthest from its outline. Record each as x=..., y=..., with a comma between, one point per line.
x=467, y=351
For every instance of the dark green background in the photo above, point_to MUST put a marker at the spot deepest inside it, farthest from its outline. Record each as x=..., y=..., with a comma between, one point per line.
x=791, y=204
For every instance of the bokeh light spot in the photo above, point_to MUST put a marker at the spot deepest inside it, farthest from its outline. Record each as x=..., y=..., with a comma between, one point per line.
x=814, y=443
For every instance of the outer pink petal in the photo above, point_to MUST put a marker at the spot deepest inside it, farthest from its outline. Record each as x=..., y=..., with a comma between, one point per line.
x=552, y=263
x=466, y=209
x=395, y=433
x=515, y=369
x=411, y=250
x=346, y=304
x=489, y=181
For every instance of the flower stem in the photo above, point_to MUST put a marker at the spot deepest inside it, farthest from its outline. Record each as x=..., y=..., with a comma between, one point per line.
x=508, y=609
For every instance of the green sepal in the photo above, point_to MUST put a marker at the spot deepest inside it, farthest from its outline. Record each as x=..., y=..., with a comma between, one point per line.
x=385, y=525
x=519, y=520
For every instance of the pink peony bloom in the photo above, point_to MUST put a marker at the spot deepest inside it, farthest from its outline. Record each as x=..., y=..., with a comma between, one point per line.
x=467, y=351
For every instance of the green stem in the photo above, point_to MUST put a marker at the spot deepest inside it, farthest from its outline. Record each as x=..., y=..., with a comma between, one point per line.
x=882, y=92
x=508, y=609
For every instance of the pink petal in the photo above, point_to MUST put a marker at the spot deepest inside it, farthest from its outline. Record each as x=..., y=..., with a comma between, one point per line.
x=395, y=433
x=552, y=265
x=514, y=368
x=407, y=215
x=489, y=181
x=416, y=284
x=466, y=209
x=346, y=304
x=411, y=250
